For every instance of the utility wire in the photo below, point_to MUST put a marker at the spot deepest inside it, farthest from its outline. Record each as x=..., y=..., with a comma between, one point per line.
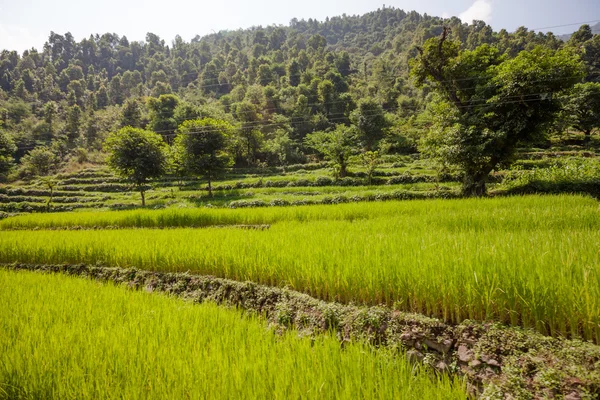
x=260, y=124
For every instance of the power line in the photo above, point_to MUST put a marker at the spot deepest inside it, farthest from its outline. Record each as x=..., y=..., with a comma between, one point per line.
x=342, y=116
x=466, y=106
x=565, y=25
x=346, y=102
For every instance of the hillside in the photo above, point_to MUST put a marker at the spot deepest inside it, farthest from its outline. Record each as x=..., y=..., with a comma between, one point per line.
x=303, y=77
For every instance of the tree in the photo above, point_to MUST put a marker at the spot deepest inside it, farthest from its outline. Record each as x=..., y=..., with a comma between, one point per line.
x=583, y=34
x=162, y=113
x=40, y=161
x=487, y=105
x=138, y=155
x=50, y=183
x=369, y=119
x=102, y=97
x=370, y=160
x=247, y=113
x=294, y=72
x=201, y=145
x=116, y=90
x=73, y=126
x=336, y=146
x=131, y=114
x=583, y=108
x=7, y=149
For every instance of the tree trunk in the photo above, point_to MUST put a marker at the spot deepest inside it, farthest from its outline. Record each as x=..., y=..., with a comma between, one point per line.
x=343, y=167
x=588, y=137
x=143, y=193
x=210, y=193
x=475, y=185
x=49, y=205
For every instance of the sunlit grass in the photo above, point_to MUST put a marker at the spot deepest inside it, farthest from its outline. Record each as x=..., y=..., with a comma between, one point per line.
x=64, y=338
x=530, y=261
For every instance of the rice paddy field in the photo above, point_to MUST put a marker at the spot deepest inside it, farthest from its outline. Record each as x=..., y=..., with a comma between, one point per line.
x=66, y=338
x=526, y=261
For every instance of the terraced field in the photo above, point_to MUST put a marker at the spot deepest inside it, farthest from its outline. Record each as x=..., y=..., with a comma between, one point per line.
x=530, y=261
x=401, y=177
x=396, y=178
x=524, y=262
x=67, y=338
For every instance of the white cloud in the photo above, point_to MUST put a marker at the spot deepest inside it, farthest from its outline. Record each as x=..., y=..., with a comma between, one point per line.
x=20, y=39
x=480, y=10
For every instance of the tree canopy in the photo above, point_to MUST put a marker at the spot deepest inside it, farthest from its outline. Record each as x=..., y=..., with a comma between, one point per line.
x=278, y=84
x=201, y=145
x=582, y=108
x=138, y=155
x=489, y=104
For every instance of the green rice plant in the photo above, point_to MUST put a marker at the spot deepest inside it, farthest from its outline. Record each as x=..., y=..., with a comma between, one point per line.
x=201, y=217
x=68, y=338
x=528, y=261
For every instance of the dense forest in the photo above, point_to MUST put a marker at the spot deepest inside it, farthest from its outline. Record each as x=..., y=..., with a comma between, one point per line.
x=273, y=85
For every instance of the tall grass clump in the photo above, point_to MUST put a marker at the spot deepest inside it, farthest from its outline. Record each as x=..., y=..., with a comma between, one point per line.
x=70, y=338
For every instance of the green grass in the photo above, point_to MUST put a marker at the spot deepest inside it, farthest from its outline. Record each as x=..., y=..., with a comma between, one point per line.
x=69, y=338
x=528, y=261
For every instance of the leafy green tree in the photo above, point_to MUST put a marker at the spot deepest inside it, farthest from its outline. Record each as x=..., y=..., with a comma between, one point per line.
x=488, y=105
x=40, y=161
x=336, y=146
x=583, y=34
x=582, y=109
x=185, y=112
x=138, y=155
x=162, y=113
x=131, y=114
x=294, y=72
x=247, y=113
x=116, y=90
x=7, y=150
x=343, y=63
x=102, y=97
x=327, y=95
x=370, y=160
x=73, y=126
x=50, y=183
x=369, y=118
x=201, y=145
x=591, y=58
x=284, y=150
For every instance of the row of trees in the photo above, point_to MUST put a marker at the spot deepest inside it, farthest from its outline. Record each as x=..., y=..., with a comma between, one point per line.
x=202, y=148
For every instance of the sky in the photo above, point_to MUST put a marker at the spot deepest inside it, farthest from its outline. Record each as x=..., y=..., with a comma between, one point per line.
x=27, y=23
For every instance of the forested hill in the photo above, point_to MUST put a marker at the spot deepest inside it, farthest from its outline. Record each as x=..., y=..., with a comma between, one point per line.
x=278, y=83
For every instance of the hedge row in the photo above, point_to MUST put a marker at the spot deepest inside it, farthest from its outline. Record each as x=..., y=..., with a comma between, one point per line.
x=383, y=196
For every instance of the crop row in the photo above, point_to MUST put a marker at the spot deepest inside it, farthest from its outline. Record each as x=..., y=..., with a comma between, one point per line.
x=36, y=207
x=541, y=209
x=11, y=191
x=69, y=338
x=531, y=261
x=35, y=199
